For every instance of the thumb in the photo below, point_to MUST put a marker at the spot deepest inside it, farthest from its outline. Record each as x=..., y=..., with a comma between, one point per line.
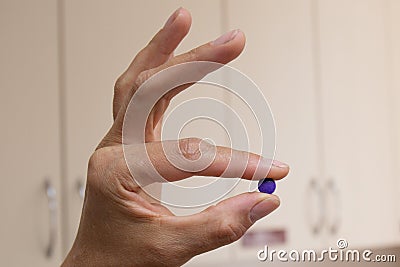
x=226, y=222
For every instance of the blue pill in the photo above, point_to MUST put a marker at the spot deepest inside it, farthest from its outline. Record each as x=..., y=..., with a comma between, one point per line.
x=267, y=185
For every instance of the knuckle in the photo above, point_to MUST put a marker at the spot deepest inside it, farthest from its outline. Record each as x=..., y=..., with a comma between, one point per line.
x=160, y=47
x=96, y=163
x=192, y=55
x=143, y=52
x=102, y=162
x=141, y=79
x=190, y=148
x=102, y=159
x=120, y=84
x=230, y=232
x=95, y=160
x=107, y=170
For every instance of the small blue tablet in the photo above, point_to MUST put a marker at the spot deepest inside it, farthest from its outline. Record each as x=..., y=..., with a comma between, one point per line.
x=267, y=185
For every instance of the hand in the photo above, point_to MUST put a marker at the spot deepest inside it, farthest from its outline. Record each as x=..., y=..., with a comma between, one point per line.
x=119, y=225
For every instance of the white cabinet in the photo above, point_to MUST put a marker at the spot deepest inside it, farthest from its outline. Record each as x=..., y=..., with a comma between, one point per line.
x=324, y=68
x=279, y=58
x=357, y=128
x=29, y=105
x=101, y=39
x=394, y=20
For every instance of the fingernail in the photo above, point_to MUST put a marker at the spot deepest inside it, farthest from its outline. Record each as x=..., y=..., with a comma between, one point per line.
x=279, y=164
x=263, y=208
x=225, y=38
x=172, y=18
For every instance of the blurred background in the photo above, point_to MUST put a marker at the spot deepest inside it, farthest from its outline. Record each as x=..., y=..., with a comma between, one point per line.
x=330, y=70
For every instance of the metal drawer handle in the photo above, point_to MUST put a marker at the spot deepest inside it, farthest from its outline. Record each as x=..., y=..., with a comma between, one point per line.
x=314, y=188
x=80, y=187
x=52, y=205
x=333, y=190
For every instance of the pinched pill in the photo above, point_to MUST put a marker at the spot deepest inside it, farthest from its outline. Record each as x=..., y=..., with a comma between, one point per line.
x=267, y=185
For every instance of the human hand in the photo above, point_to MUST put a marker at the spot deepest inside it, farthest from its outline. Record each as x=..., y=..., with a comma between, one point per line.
x=119, y=225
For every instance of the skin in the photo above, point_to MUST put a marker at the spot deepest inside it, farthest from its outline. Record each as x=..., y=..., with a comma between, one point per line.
x=120, y=224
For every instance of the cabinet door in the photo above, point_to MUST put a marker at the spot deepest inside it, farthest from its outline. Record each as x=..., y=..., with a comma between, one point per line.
x=101, y=39
x=355, y=89
x=394, y=15
x=279, y=58
x=29, y=98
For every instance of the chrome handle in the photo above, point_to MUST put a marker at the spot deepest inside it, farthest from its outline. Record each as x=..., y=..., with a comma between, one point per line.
x=314, y=188
x=80, y=187
x=333, y=191
x=52, y=205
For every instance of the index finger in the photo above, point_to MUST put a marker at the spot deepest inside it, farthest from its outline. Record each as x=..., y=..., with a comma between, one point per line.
x=177, y=160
